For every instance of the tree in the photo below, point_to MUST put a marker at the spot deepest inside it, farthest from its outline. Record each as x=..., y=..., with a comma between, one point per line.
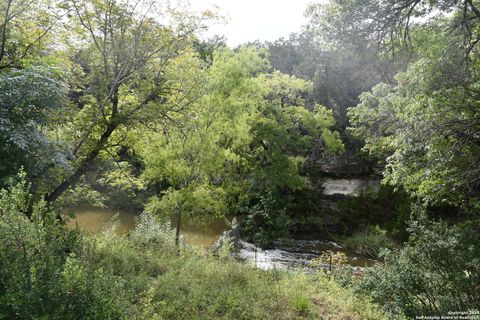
x=31, y=87
x=247, y=135
x=123, y=64
x=27, y=96
x=200, y=162
x=387, y=24
x=341, y=67
x=426, y=127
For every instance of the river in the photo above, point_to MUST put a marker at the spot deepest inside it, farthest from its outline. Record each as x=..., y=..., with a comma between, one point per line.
x=285, y=254
x=96, y=220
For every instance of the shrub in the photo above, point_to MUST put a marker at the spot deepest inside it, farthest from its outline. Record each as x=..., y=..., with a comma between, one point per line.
x=369, y=242
x=148, y=230
x=41, y=273
x=47, y=272
x=302, y=304
x=266, y=222
x=437, y=271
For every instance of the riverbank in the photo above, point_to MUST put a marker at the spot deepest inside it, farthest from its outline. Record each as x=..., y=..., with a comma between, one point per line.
x=193, y=285
x=286, y=254
x=57, y=273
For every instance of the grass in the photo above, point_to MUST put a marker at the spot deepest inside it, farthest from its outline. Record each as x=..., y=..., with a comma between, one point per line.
x=369, y=242
x=194, y=285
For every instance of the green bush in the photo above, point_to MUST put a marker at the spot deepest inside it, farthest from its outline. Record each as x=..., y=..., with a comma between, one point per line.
x=302, y=304
x=266, y=222
x=437, y=271
x=369, y=242
x=41, y=271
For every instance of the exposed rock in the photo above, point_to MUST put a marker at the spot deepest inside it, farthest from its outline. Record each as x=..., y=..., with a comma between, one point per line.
x=349, y=187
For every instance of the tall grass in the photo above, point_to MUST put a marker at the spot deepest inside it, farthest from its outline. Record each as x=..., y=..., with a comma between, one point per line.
x=195, y=285
x=369, y=242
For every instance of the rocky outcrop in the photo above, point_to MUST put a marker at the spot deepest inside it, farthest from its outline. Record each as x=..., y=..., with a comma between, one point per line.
x=349, y=187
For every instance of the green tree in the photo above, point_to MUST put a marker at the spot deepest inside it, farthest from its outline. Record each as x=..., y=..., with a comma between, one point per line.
x=31, y=87
x=27, y=98
x=426, y=127
x=201, y=160
x=122, y=77
x=247, y=135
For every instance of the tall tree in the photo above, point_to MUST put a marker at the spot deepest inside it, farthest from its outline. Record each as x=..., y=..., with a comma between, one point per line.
x=125, y=51
x=426, y=127
x=31, y=88
x=248, y=135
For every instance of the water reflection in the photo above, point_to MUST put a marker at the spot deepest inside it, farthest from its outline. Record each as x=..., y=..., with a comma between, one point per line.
x=97, y=220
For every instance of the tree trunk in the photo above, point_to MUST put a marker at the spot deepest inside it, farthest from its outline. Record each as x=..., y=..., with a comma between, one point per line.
x=92, y=154
x=177, y=232
x=85, y=165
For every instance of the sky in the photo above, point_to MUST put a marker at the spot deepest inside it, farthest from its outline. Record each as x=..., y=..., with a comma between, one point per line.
x=250, y=20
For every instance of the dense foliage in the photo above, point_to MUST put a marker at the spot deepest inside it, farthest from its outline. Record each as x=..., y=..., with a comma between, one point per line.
x=425, y=129
x=436, y=272
x=244, y=138
x=121, y=103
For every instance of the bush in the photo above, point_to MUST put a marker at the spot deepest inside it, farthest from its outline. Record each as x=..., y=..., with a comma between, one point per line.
x=149, y=231
x=437, y=271
x=369, y=242
x=266, y=222
x=41, y=272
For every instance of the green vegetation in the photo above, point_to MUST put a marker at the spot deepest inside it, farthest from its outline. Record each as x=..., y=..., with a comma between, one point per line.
x=121, y=104
x=48, y=271
x=436, y=272
x=369, y=242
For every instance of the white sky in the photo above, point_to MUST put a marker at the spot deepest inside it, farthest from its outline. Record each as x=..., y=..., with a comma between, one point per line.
x=250, y=20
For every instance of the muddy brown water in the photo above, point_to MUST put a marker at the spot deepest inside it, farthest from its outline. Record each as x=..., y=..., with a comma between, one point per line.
x=97, y=220
x=288, y=254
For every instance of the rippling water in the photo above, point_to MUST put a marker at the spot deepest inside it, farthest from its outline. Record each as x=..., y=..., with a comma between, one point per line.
x=293, y=254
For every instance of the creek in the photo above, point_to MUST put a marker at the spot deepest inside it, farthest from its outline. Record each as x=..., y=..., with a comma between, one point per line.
x=285, y=255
